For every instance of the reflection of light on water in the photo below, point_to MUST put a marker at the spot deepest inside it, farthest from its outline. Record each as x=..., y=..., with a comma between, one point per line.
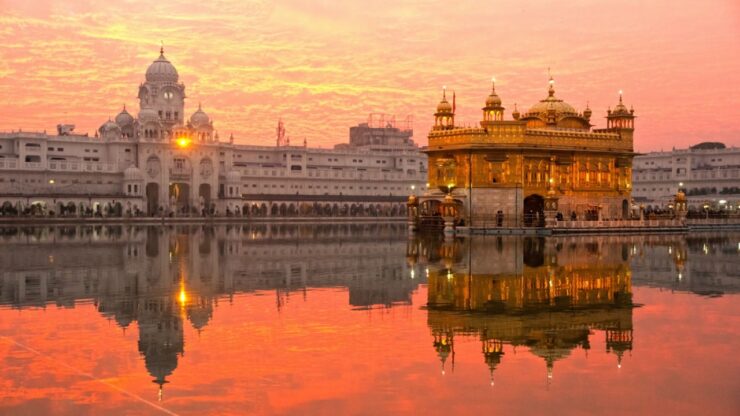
x=705, y=249
x=670, y=250
x=412, y=273
x=680, y=276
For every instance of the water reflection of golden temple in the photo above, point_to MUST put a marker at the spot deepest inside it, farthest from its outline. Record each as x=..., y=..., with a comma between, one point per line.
x=542, y=294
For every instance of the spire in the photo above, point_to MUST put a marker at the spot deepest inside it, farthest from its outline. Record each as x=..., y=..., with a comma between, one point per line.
x=551, y=90
x=493, y=85
x=161, y=48
x=444, y=92
x=199, y=107
x=620, y=96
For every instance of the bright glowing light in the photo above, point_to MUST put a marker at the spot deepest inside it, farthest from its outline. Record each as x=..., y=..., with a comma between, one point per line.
x=51, y=181
x=183, y=142
x=183, y=296
x=412, y=273
x=413, y=187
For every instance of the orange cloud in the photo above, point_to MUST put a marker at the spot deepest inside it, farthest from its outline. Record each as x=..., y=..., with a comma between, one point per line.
x=323, y=66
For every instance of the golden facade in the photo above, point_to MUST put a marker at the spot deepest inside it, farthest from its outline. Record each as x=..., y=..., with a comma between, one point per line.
x=507, y=170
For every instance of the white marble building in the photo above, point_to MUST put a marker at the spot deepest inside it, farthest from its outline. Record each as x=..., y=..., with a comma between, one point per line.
x=708, y=172
x=160, y=162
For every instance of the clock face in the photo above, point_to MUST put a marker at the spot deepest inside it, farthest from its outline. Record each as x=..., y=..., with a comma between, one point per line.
x=153, y=167
x=168, y=95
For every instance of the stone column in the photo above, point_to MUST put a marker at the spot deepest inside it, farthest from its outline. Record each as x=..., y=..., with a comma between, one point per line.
x=551, y=209
x=448, y=215
x=413, y=213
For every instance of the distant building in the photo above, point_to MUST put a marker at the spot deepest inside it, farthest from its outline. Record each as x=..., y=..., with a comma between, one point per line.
x=709, y=173
x=160, y=162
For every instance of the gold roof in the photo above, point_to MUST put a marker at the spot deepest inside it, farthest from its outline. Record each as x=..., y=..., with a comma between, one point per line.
x=551, y=103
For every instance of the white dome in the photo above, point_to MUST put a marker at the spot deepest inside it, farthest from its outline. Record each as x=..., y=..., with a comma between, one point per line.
x=132, y=173
x=233, y=176
x=109, y=126
x=199, y=118
x=124, y=118
x=161, y=70
x=148, y=114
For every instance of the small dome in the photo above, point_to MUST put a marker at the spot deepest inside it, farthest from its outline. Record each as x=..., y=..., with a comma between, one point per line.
x=620, y=109
x=444, y=106
x=233, y=176
x=148, y=114
x=132, y=173
x=161, y=70
x=493, y=100
x=199, y=118
x=109, y=126
x=124, y=118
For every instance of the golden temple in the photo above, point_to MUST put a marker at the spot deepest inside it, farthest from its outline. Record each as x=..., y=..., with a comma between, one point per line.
x=542, y=165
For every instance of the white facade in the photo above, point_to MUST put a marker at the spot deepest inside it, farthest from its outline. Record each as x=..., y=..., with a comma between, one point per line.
x=161, y=163
x=709, y=173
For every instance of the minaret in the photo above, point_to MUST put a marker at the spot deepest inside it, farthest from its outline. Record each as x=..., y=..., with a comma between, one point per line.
x=443, y=344
x=493, y=350
x=493, y=111
x=444, y=118
x=621, y=119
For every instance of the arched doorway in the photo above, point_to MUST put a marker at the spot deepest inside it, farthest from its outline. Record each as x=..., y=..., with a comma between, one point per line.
x=152, y=199
x=534, y=211
x=180, y=197
x=625, y=209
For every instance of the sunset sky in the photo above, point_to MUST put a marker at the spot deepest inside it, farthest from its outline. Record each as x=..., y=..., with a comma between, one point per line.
x=323, y=65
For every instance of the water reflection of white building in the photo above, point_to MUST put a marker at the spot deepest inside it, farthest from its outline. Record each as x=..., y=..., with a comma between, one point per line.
x=164, y=278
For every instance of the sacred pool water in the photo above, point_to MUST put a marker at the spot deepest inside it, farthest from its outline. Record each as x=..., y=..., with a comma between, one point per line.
x=365, y=319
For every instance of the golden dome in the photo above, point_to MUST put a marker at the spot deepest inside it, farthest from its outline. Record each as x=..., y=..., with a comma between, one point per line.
x=551, y=103
x=620, y=109
x=444, y=106
x=493, y=100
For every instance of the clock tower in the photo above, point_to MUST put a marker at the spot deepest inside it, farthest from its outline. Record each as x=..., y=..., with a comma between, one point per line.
x=162, y=94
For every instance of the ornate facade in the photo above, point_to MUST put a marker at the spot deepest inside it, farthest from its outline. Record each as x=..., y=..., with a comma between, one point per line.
x=159, y=163
x=546, y=159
